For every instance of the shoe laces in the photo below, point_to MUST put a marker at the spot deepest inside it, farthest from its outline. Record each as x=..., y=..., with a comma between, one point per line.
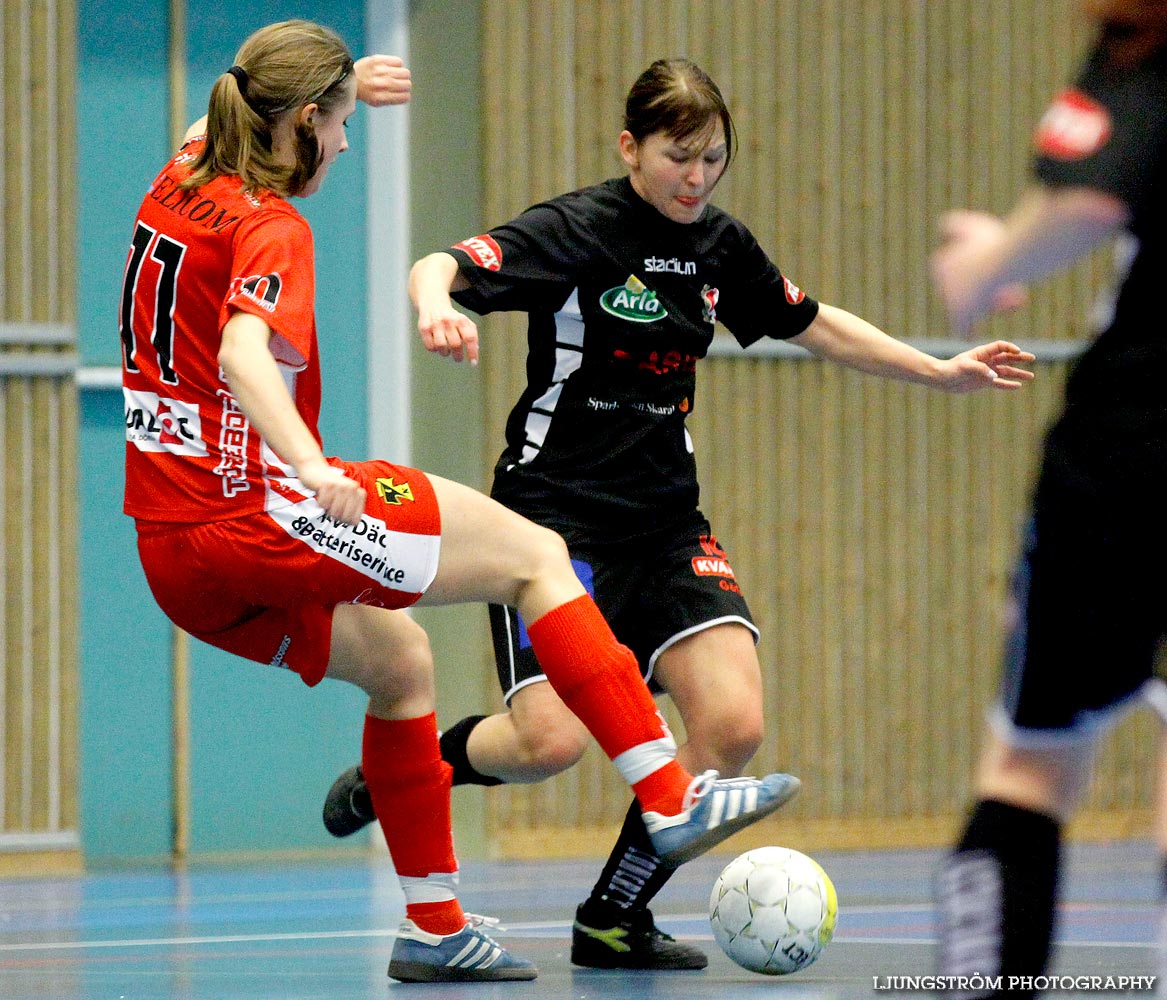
x=698, y=788
x=703, y=784
x=641, y=922
x=476, y=920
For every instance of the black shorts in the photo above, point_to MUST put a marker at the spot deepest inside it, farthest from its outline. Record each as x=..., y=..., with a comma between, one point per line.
x=1088, y=612
x=654, y=591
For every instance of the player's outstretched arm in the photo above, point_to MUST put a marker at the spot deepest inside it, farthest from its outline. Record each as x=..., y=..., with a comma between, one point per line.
x=984, y=262
x=840, y=336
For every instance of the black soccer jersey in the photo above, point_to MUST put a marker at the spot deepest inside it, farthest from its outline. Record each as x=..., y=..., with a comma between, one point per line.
x=622, y=304
x=1109, y=133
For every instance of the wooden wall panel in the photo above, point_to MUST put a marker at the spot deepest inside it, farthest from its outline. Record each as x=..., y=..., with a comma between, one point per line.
x=874, y=525
x=38, y=419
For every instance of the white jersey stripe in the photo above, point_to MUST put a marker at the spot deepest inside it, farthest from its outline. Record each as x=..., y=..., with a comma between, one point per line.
x=569, y=338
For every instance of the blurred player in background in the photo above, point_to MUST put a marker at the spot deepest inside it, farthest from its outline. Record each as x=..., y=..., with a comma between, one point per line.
x=623, y=283
x=1089, y=602
x=256, y=543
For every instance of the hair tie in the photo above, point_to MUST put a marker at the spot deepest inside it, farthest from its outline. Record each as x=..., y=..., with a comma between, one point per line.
x=240, y=75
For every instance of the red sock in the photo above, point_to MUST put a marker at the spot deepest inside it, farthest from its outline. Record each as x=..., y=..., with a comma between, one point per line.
x=409, y=784
x=598, y=679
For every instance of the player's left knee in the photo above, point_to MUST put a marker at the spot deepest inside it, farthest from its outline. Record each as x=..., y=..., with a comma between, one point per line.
x=731, y=743
x=396, y=660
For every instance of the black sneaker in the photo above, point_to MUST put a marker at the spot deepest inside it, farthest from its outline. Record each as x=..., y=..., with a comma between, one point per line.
x=348, y=806
x=633, y=942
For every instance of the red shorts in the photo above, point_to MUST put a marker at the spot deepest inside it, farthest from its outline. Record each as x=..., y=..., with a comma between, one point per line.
x=264, y=586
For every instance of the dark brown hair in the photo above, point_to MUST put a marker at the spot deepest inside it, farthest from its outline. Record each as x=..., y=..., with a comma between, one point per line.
x=1132, y=30
x=679, y=99
x=278, y=69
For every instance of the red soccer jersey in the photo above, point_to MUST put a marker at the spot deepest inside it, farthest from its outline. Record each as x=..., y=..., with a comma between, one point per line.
x=196, y=257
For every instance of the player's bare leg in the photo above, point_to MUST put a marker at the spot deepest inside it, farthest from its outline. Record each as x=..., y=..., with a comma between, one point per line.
x=712, y=676
x=539, y=736
x=387, y=655
x=1049, y=781
x=715, y=680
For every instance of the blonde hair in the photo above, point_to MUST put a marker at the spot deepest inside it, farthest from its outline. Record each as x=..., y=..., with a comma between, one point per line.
x=280, y=68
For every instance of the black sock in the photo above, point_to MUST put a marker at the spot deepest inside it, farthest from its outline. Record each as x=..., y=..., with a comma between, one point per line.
x=632, y=875
x=997, y=896
x=453, y=744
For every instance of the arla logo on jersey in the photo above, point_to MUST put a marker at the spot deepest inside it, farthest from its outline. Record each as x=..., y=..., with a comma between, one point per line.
x=483, y=250
x=633, y=301
x=1074, y=127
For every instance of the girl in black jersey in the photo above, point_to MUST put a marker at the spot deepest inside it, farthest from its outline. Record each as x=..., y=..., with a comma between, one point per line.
x=1089, y=606
x=623, y=283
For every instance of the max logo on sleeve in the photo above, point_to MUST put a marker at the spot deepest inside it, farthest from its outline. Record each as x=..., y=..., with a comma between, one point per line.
x=1074, y=127
x=483, y=250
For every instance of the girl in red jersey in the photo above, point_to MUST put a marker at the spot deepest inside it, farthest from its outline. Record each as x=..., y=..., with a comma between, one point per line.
x=252, y=540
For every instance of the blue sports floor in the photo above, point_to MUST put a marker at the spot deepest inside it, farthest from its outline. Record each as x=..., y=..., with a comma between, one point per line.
x=319, y=932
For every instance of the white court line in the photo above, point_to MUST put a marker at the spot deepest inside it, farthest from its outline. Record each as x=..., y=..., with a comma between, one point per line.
x=860, y=939
x=169, y=942
x=517, y=928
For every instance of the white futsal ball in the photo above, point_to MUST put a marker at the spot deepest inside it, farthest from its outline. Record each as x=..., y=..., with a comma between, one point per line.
x=773, y=910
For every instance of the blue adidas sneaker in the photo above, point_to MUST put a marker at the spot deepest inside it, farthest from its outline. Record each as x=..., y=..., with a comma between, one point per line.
x=713, y=809
x=469, y=956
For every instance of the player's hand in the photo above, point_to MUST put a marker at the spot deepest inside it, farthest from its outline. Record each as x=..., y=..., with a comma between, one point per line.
x=447, y=332
x=960, y=265
x=989, y=366
x=382, y=80
x=342, y=498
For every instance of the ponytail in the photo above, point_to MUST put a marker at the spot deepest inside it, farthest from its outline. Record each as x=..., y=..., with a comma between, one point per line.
x=279, y=69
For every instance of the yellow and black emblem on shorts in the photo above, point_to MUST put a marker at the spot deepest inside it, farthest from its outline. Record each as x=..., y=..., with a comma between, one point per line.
x=392, y=493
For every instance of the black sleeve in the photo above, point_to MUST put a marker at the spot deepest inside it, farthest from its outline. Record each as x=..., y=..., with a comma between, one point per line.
x=760, y=301
x=527, y=264
x=1108, y=132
